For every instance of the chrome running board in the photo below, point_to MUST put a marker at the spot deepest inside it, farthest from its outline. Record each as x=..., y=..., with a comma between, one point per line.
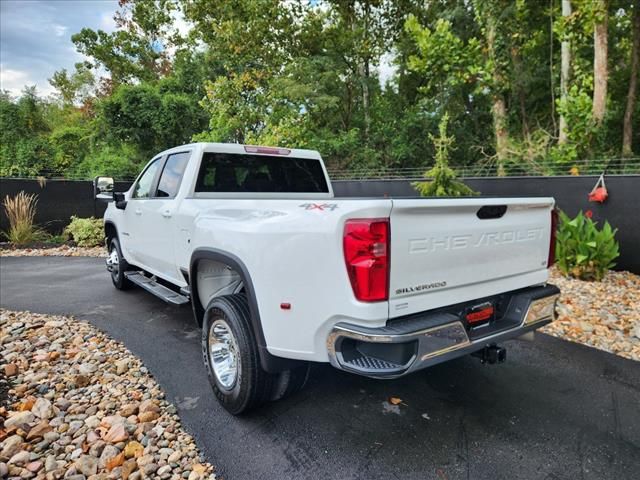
x=157, y=289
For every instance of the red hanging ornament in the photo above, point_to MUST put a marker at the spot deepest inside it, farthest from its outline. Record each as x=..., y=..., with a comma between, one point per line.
x=599, y=193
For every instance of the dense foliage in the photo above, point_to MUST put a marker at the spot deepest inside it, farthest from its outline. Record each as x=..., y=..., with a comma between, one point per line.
x=86, y=232
x=582, y=250
x=529, y=86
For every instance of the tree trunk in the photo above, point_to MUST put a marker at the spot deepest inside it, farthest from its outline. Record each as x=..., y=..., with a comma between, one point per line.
x=365, y=71
x=600, y=74
x=627, y=129
x=499, y=111
x=364, y=80
x=499, y=107
x=565, y=68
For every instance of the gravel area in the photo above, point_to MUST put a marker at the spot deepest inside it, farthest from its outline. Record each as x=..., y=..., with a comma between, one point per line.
x=61, y=251
x=77, y=404
x=604, y=315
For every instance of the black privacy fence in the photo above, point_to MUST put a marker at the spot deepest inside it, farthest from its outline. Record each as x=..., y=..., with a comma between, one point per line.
x=59, y=199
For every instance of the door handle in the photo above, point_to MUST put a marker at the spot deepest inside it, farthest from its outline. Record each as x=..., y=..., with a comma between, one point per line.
x=166, y=214
x=138, y=211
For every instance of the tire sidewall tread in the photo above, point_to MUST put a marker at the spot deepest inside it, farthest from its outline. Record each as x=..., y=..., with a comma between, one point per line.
x=253, y=385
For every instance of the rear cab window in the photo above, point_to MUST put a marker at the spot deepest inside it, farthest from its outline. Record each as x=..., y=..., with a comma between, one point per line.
x=233, y=172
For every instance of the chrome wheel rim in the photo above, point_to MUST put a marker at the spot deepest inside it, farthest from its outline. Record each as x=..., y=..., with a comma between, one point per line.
x=223, y=353
x=114, y=261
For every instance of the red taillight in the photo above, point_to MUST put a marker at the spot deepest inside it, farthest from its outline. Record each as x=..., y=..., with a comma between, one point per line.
x=552, y=242
x=366, y=254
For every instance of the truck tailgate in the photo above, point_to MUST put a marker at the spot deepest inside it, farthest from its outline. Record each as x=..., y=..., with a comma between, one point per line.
x=443, y=253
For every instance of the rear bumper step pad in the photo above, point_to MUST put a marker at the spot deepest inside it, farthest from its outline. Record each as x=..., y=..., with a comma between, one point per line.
x=407, y=345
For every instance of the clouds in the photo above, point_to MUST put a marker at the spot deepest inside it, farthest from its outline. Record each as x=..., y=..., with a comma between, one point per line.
x=35, y=38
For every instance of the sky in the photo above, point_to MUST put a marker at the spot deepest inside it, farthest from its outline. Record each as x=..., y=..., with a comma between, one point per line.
x=35, y=38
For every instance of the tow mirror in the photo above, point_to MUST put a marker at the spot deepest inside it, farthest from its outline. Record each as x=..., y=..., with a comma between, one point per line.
x=103, y=188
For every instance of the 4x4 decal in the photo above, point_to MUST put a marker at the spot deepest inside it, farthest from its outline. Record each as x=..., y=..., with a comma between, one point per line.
x=319, y=206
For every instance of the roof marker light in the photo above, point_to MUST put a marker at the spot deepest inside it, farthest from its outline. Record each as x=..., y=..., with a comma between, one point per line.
x=266, y=150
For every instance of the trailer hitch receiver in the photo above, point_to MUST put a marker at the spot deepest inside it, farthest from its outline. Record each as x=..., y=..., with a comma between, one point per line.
x=491, y=354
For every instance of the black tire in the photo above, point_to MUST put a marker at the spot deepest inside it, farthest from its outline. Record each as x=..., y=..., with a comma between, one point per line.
x=252, y=386
x=117, y=273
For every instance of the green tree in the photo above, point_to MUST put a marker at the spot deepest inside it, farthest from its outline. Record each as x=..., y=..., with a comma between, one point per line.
x=443, y=181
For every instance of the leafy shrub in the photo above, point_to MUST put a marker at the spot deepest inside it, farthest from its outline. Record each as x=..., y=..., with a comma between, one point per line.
x=582, y=250
x=443, y=183
x=86, y=232
x=21, y=211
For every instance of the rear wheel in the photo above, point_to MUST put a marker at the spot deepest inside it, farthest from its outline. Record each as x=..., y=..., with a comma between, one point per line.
x=117, y=265
x=230, y=352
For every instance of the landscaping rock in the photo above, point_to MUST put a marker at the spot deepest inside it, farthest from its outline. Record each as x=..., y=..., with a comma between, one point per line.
x=604, y=315
x=83, y=407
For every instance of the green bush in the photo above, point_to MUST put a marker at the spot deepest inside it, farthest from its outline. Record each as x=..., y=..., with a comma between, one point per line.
x=582, y=250
x=86, y=232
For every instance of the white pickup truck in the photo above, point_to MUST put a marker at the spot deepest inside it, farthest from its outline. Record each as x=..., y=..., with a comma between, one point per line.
x=281, y=273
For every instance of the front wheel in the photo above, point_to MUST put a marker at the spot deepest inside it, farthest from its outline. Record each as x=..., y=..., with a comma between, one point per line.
x=117, y=265
x=231, y=356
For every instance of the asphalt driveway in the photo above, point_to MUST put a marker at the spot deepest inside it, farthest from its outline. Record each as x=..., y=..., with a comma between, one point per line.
x=555, y=410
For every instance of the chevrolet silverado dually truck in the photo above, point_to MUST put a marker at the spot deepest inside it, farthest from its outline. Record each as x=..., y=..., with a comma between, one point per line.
x=280, y=273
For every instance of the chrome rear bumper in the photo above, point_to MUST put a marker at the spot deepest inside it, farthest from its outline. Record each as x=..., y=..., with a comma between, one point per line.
x=406, y=345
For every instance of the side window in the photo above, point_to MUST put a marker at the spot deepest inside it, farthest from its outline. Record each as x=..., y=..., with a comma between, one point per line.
x=172, y=174
x=145, y=182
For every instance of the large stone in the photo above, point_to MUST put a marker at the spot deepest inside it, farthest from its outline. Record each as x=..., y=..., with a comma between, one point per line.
x=81, y=381
x=20, y=419
x=122, y=366
x=19, y=458
x=42, y=409
x=129, y=409
x=111, y=420
x=92, y=421
x=11, y=446
x=150, y=468
x=87, y=465
x=117, y=433
x=175, y=457
x=39, y=430
x=144, y=460
x=96, y=449
x=162, y=471
x=87, y=369
x=149, y=406
x=10, y=369
x=50, y=463
x=133, y=449
x=33, y=467
x=115, y=462
x=128, y=468
x=144, y=417
x=108, y=453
